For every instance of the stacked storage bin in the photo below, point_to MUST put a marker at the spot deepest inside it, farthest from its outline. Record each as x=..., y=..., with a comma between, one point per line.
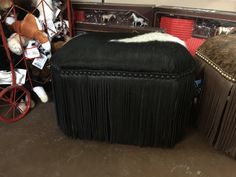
x=182, y=28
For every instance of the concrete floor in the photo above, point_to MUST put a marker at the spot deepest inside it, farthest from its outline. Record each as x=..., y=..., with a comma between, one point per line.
x=35, y=147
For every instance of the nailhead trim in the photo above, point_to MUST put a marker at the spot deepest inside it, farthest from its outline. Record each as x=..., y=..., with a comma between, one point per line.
x=126, y=74
x=216, y=67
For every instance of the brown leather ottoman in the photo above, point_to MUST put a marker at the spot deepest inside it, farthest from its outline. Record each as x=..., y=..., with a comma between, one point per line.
x=217, y=64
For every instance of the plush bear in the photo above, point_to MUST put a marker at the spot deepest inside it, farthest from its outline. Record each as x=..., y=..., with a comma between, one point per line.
x=29, y=24
x=16, y=43
x=30, y=28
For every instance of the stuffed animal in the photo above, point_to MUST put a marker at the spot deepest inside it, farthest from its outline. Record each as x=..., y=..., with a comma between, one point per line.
x=16, y=43
x=30, y=28
x=225, y=30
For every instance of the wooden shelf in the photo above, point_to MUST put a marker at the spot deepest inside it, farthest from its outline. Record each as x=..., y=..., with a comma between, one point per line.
x=193, y=13
x=81, y=26
x=149, y=12
x=79, y=5
x=144, y=11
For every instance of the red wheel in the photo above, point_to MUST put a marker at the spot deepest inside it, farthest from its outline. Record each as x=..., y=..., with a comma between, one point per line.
x=14, y=103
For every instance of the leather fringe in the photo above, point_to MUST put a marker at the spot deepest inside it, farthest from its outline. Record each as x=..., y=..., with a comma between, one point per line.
x=217, y=109
x=140, y=110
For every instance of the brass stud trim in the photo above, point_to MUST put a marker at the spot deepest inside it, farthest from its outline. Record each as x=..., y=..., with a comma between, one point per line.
x=216, y=67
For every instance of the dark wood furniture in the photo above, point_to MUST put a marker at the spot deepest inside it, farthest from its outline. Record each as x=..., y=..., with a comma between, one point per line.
x=193, y=13
x=121, y=21
x=203, y=18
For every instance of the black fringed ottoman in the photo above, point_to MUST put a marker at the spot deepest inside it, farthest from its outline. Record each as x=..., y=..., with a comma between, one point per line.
x=217, y=65
x=123, y=89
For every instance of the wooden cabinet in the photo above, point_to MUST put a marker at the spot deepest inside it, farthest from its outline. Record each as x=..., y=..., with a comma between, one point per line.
x=105, y=17
x=205, y=22
x=112, y=17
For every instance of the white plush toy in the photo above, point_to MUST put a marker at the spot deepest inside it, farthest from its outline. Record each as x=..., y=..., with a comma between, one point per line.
x=30, y=28
x=16, y=42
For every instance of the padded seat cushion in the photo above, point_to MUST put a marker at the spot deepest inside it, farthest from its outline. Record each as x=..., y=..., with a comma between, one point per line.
x=99, y=51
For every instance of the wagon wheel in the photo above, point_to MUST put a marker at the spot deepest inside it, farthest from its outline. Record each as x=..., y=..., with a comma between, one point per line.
x=11, y=107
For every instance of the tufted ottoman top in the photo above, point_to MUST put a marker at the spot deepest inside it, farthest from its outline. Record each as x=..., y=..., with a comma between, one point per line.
x=220, y=53
x=152, y=52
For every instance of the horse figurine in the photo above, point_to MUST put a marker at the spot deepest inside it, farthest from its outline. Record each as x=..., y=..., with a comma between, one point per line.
x=225, y=30
x=107, y=18
x=138, y=20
